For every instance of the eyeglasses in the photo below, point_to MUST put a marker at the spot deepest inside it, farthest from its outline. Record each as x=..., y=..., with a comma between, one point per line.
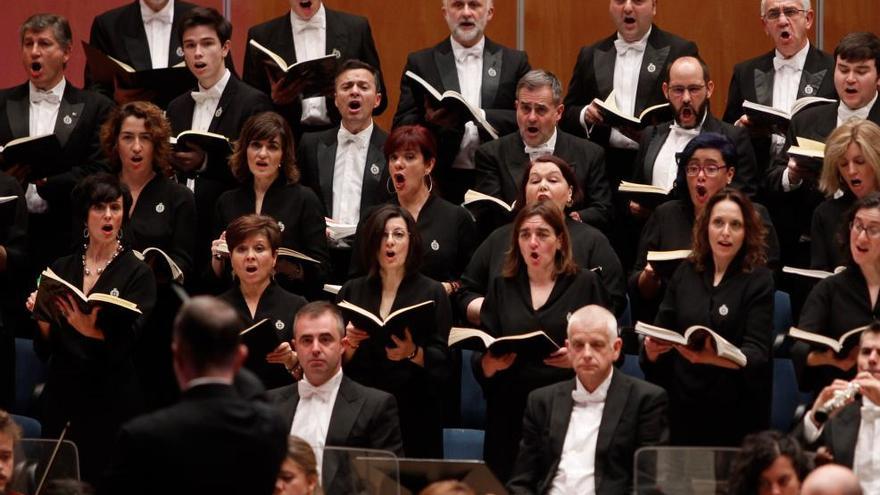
x=396, y=235
x=679, y=90
x=708, y=170
x=789, y=12
x=872, y=230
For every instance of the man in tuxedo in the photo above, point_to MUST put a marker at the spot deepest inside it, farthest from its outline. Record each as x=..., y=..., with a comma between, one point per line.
x=631, y=62
x=579, y=436
x=345, y=165
x=688, y=88
x=326, y=408
x=49, y=104
x=144, y=34
x=221, y=105
x=852, y=434
x=483, y=71
x=308, y=31
x=500, y=163
x=794, y=69
x=213, y=440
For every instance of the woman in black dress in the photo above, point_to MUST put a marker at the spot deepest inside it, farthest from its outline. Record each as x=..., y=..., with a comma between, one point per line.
x=91, y=379
x=724, y=286
x=843, y=301
x=850, y=171
x=253, y=246
x=540, y=285
x=414, y=366
x=547, y=178
x=162, y=216
x=704, y=169
x=263, y=162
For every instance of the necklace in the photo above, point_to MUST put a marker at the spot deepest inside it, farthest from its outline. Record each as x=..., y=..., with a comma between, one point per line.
x=100, y=270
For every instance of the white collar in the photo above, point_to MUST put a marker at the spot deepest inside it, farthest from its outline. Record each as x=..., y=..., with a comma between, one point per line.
x=642, y=41
x=331, y=384
x=548, y=144
x=601, y=391
x=207, y=380
x=861, y=112
x=799, y=58
x=166, y=12
x=219, y=86
x=58, y=90
x=320, y=18
x=361, y=138
x=459, y=50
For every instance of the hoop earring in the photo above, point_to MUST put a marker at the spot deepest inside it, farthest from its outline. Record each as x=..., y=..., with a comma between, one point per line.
x=429, y=181
x=86, y=233
x=388, y=186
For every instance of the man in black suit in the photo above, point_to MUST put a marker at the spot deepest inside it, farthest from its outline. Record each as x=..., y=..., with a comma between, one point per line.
x=688, y=88
x=49, y=104
x=483, y=71
x=579, y=436
x=221, y=105
x=308, y=31
x=794, y=69
x=143, y=34
x=500, y=163
x=852, y=434
x=326, y=408
x=213, y=440
x=345, y=165
x=630, y=62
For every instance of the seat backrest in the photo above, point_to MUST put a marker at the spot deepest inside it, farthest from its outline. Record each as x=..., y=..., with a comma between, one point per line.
x=30, y=372
x=30, y=427
x=473, y=404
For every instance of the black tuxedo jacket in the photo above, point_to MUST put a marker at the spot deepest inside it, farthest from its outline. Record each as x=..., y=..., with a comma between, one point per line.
x=500, y=165
x=594, y=77
x=635, y=415
x=362, y=417
x=349, y=34
x=839, y=435
x=212, y=441
x=753, y=81
x=502, y=68
x=316, y=158
x=120, y=33
x=654, y=137
x=79, y=118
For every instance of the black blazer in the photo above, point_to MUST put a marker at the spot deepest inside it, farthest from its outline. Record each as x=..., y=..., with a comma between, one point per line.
x=634, y=416
x=316, y=158
x=841, y=433
x=349, y=34
x=500, y=165
x=753, y=80
x=594, y=77
x=502, y=68
x=654, y=137
x=243, y=441
x=120, y=34
x=362, y=417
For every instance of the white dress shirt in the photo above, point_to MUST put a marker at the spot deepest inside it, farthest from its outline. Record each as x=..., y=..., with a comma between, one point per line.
x=577, y=466
x=866, y=462
x=348, y=173
x=786, y=79
x=469, y=67
x=544, y=149
x=311, y=420
x=310, y=42
x=206, y=103
x=42, y=115
x=845, y=113
x=665, y=167
x=627, y=67
x=158, y=28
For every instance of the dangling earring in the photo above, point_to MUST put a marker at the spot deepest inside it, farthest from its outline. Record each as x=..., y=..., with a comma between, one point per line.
x=429, y=181
x=86, y=233
x=388, y=186
x=570, y=202
x=119, y=234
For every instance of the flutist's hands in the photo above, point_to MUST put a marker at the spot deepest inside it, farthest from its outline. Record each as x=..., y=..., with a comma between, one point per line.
x=869, y=386
x=827, y=393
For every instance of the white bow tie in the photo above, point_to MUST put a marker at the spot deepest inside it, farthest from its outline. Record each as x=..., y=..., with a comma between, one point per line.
x=307, y=391
x=471, y=52
x=45, y=96
x=163, y=17
x=583, y=398
x=681, y=131
x=345, y=137
x=622, y=46
x=789, y=63
x=300, y=26
x=845, y=113
x=539, y=151
x=203, y=96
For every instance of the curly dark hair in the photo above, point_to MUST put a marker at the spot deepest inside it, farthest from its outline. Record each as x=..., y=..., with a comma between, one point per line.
x=265, y=125
x=759, y=451
x=155, y=123
x=753, y=252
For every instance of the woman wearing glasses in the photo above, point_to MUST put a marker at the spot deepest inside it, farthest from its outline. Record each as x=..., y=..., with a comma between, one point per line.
x=725, y=286
x=851, y=166
x=843, y=301
x=414, y=366
x=705, y=167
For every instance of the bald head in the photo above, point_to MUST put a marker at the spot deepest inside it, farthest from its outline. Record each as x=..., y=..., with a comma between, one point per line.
x=831, y=479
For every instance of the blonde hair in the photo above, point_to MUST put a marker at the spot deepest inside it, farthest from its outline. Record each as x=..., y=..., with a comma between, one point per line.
x=864, y=133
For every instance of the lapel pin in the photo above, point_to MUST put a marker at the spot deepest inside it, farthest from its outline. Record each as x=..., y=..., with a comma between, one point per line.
x=160, y=208
x=114, y=292
x=723, y=310
x=179, y=51
x=374, y=169
x=218, y=113
x=808, y=89
x=492, y=72
x=67, y=120
x=652, y=68
x=279, y=324
x=435, y=245
x=337, y=53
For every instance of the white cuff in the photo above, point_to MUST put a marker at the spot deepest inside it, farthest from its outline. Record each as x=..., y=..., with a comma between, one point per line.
x=582, y=118
x=35, y=203
x=787, y=185
x=811, y=432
